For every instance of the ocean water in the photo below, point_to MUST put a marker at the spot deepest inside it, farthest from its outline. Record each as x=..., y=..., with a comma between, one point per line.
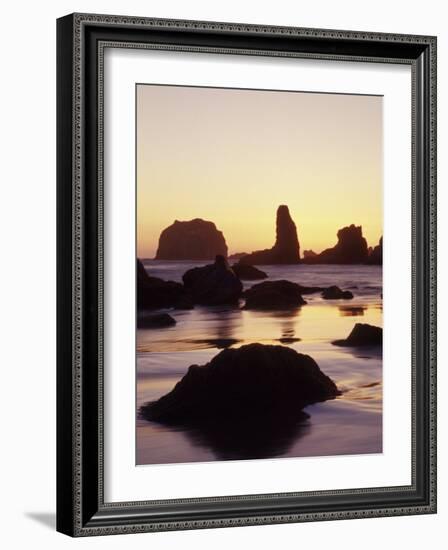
x=350, y=424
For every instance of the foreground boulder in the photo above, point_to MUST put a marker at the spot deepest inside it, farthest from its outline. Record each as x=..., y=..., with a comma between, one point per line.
x=362, y=335
x=248, y=272
x=153, y=293
x=351, y=248
x=274, y=295
x=159, y=320
x=213, y=284
x=286, y=249
x=254, y=381
x=335, y=293
x=191, y=240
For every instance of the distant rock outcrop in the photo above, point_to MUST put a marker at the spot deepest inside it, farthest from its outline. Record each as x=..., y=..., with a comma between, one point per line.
x=335, y=293
x=248, y=272
x=309, y=254
x=237, y=255
x=286, y=249
x=376, y=254
x=191, y=240
x=351, y=248
x=153, y=293
x=213, y=284
x=274, y=295
x=256, y=381
x=362, y=335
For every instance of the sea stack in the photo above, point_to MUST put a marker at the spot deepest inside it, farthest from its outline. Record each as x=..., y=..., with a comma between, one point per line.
x=351, y=248
x=376, y=254
x=286, y=249
x=191, y=240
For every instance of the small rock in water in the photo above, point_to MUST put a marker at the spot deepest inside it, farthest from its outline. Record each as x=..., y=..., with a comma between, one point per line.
x=274, y=295
x=335, y=293
x=248, y=272
x=362, y=335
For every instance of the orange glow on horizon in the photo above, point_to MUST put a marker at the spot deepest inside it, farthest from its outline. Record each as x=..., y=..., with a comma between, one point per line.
x=233, y=156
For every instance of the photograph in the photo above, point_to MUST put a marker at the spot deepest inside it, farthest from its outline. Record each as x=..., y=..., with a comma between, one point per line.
x=259, y=278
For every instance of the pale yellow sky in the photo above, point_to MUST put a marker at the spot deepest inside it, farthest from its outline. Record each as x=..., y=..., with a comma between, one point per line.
x=232, y=156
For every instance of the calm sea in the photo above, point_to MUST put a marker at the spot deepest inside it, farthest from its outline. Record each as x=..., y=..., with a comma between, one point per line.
x=350, y=424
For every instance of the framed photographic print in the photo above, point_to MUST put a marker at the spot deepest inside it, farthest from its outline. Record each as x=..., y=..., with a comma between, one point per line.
x=246, y=274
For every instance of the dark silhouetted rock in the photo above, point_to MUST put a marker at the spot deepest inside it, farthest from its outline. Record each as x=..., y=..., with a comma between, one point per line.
x=237, y=256
x=184, y=302
x=159, y=320
x=335, y=293
x=248, y=272
x=286, y=249
x=274, y=295
x=310, y=289
x=376, y=254
x=309, y=254
x=191, y=240
x=153, y=293
x=351, y=248
x=213, y=284
x=256, y=380
x=363, y=335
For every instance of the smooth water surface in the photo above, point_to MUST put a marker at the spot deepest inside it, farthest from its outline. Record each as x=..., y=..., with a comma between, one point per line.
x=350, y=424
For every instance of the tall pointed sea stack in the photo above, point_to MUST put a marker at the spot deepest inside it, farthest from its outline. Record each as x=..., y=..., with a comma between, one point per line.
x=286, y=249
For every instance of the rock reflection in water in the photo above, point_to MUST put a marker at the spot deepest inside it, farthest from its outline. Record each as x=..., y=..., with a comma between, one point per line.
x=351, y=311
x=249, y=438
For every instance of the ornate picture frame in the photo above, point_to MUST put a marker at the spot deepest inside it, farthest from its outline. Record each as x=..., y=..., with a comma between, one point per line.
x=81, y=506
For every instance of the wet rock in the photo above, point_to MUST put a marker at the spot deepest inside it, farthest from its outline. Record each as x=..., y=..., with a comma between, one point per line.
x=213, y=284
x=153, y=293
x=248, y=272
x=237, y=256
x=362, y=335
x=256, y=381
x=274, y=295
x=159, y=320
x=191, y=240
x=286, y=249
x=335, y=293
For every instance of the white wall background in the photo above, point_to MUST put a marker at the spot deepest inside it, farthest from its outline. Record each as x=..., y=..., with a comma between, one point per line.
x=27, y=272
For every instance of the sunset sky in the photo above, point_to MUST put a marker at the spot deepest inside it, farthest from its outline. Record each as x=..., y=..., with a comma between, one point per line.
x=232, y=156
